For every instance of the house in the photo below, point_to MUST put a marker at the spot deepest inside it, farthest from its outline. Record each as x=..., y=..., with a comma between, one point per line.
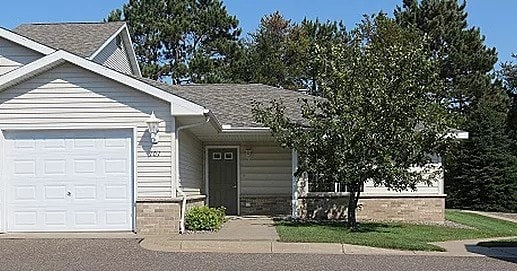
x=87, y=144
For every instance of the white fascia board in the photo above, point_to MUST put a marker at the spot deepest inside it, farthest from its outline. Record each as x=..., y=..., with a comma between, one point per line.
x=131, y=52
x=226, y=129
x=61, y=56
x=15, y=76
x=106, y=43
x=127, y=44
x=25, y=42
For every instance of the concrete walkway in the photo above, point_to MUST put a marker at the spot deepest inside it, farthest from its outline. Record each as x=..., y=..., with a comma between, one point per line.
x=512, y=217
x=454, y=249
x=251, y=228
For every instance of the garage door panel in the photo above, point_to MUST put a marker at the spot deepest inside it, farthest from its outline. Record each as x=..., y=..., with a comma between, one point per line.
x=69, y=180
x=25, y=193
x=24, y=167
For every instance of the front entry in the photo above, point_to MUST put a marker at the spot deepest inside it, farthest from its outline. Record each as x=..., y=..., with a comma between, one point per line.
x=222, y=179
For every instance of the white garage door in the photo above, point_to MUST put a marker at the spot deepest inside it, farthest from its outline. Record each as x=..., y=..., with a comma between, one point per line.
x=69, y=180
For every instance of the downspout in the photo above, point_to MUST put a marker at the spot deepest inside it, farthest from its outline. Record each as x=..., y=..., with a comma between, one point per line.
x=177, y=166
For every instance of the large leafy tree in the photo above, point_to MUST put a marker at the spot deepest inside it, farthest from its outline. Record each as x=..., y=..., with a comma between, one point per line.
x=377, y=119
x=185, y=40
x=479, y=171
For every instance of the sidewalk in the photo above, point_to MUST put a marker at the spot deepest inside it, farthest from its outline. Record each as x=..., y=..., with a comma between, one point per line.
x=512, y=217
x=455, y=248
x=258, y=235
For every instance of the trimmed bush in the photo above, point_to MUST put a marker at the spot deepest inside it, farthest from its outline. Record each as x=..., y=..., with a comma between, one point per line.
x=204, y=218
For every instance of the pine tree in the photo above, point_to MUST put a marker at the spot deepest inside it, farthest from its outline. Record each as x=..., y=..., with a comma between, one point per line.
x=184, y=40
x=509, y=76
x=483, y=172
x=480, y=171
x=283, y=54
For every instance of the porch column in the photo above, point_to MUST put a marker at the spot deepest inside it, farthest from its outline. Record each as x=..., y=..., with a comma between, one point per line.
x=294, y=184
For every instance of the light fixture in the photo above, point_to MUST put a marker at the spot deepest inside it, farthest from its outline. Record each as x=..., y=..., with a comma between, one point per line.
x=249, y=152
x=153, y=126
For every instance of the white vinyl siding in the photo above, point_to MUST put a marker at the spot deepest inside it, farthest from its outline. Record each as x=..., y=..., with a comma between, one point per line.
x=68, y=96
x=191, y=163
x=267, y=171
x=13, y=56
x=114, y=56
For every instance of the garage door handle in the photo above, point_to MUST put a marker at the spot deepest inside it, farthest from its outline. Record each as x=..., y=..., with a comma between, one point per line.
x=69, y=193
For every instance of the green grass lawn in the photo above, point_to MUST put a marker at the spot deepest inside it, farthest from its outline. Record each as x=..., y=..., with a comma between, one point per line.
x=397, y=235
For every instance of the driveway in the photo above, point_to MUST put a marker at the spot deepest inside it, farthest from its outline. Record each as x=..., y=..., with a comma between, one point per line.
x=126, y=254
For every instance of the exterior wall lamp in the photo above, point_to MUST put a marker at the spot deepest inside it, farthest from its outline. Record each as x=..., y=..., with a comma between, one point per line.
x=153, y=127
x=249, y=153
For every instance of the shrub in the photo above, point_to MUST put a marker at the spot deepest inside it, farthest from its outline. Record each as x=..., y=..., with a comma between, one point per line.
x=200, y=218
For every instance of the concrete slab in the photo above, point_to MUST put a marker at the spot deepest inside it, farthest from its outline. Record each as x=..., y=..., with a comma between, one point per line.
x=226, y=246
x=470, y=248
x=363, y=250
x=307, y=248
x=512, y=217
x=164, y=244
x=239, y=229
x=71, y=235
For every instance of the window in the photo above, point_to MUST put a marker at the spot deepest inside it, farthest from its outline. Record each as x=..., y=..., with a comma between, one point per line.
x=228, y=156
x=316, y=186
x=216, y=156
x=118, y=40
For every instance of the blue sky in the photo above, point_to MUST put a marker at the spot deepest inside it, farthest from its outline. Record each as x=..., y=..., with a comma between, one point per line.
x=495, y=18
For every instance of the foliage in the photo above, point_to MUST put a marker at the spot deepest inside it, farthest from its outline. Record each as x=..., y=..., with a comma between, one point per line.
x=398, y=235
x=509, y=76
x=480, y=171
x=463, y=58
x=281, y=53
x=200, y=218
x=486, y=179
x=186, y=40
x=378, y=118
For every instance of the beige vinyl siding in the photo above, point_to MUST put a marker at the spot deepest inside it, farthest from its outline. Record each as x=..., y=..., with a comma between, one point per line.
x=13, y=56
x=436, y=188
x=267, y=171
x=423, y=189
x=191, y=163
x=68, y=96
x=115, y=57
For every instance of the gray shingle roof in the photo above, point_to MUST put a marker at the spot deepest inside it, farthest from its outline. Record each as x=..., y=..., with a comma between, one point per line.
x=232, y=103
x=82, y=39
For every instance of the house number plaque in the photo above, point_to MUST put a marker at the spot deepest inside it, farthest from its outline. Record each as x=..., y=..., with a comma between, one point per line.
x=153, y=154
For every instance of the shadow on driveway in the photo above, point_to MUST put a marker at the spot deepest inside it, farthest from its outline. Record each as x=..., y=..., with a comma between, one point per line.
x=508, y=254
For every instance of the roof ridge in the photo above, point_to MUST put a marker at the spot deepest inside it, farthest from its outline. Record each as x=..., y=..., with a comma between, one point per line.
x=69, y=23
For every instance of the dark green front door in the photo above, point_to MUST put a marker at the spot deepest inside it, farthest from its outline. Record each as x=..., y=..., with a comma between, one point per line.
x=222, y=179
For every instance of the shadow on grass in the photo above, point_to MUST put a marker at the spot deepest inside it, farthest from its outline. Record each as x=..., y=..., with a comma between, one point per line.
x=364, y=227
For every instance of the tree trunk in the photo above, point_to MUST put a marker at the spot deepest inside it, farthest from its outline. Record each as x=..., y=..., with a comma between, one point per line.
x=352, y=205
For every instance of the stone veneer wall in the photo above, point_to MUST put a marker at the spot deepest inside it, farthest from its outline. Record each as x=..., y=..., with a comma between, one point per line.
x=162, y=216
x=265, y=205
x=401, y=208
x=414, y=209
x=421, y=208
